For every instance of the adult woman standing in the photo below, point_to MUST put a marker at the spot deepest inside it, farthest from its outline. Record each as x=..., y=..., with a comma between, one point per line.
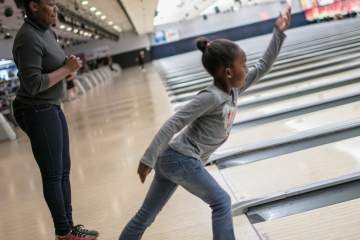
x=43, y=67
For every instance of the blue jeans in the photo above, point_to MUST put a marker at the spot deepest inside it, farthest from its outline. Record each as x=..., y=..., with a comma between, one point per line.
x=173, y=169
x=46, y=127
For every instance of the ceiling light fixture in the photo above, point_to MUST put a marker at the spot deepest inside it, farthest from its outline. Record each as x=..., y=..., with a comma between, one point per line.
x=117, y=28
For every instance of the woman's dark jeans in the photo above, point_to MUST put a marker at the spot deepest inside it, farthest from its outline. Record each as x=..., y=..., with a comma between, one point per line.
x=47, y=129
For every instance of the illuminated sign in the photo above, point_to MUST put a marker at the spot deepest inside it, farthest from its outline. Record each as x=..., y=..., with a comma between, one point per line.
x=325, y=2
x=321, y=9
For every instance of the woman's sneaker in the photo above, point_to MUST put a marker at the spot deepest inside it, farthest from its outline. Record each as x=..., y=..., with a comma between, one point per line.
x=81, y=231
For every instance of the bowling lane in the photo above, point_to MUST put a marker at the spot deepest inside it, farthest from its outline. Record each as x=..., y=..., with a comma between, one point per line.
x=191, y=81
x=264, y=95
x=299, y=78
x=303, y=66
x=177, y=66
x=337, y=222
x=264, y=178
x=192, y=85
x=297, y=102
x=291, y=52
x=316, y=56
x=186, y=76
x=327, y=71
x=289, y=127
x=297, y=87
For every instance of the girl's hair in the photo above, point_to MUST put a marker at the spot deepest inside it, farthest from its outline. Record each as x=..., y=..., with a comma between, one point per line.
x=217, y=54
x=26, y=6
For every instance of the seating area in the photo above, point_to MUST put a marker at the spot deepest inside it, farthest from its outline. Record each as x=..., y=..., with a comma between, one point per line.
x=83, y=83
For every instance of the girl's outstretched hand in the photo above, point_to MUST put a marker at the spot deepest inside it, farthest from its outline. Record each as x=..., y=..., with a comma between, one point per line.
x=283, y=21
x=143, y=171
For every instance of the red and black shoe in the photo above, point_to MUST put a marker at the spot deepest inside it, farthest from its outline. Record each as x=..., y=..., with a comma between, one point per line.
x=72, y=236
x=81, y=231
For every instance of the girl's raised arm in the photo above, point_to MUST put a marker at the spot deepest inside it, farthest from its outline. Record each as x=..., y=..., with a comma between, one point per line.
x=266, y=61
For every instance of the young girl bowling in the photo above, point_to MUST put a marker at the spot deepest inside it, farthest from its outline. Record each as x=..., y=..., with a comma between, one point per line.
x=208, y=119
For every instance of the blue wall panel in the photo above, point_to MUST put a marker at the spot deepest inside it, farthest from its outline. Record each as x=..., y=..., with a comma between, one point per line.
x=235, y=34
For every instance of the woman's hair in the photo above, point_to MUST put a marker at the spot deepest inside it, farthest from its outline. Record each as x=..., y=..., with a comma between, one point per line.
x=217, y=54
x=26, y=6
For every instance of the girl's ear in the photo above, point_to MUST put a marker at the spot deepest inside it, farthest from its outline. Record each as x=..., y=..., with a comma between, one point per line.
x=228, y=73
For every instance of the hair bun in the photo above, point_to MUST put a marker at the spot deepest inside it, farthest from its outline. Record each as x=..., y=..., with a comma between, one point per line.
x=202, y=43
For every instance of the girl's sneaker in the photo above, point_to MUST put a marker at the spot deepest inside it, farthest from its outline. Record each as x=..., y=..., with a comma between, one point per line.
x=81, y=231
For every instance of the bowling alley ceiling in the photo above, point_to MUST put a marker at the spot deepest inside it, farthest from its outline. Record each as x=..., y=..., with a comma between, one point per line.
x=79, y=20
x=118, y=15
x=107, y=13
x=180, y=10
x=109, y=18
x=141, y=13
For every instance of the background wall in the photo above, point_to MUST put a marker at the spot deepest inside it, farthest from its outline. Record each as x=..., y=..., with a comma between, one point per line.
x=124, y=51
x=258, y=45
x=127, y=42
x=222, y=21
x=6, y=46
x=235, y=34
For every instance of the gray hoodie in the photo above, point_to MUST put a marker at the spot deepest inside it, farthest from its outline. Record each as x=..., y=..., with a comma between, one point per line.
x=206, y=121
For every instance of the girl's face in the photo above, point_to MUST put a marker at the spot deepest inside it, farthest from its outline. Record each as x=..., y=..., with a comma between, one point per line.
x=236, y=74
x=46, y=11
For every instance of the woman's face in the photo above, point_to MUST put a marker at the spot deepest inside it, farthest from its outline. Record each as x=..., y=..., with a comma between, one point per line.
x=239, y=70
x=45, y=11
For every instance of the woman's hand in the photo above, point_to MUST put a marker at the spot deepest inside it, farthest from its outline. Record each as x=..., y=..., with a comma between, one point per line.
x=71, y=76
x=67, y=71
x=73, y=63
x=283, y=21
x=143, y=171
